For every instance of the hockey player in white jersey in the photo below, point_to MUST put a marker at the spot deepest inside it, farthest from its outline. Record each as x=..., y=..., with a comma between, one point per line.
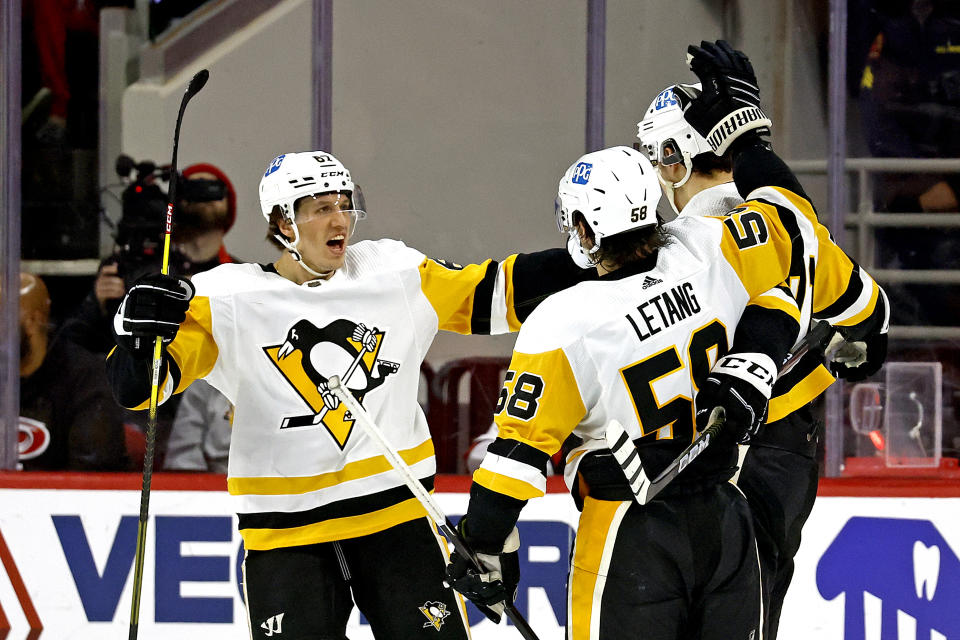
x=779, y=471
x=685, y=318
x=325, y=521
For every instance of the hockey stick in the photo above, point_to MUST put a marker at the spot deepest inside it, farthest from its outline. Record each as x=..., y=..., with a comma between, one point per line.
x=308, y=421
x=625, y=452
x=420, y=493
x=196, y=83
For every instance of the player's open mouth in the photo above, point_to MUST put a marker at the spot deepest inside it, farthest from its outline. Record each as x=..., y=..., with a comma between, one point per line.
x=337, y=243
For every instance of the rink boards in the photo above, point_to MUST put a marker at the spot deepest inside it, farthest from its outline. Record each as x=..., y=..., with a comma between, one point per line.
x=879, y=560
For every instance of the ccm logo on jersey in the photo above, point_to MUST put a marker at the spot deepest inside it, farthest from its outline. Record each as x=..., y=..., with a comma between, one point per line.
x=581, y=173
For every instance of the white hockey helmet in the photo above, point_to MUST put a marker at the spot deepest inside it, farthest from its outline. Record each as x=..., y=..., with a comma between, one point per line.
x=668, y=139
x=665, y=136
x=292, y=176
x=615, y=189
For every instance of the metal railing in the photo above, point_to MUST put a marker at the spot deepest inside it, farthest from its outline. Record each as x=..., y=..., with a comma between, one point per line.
x=865, y=220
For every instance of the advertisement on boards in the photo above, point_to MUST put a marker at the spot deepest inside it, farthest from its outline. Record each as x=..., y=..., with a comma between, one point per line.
x=869, y=568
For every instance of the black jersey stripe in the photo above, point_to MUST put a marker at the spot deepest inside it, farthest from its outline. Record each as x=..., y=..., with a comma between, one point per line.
x=483, y=300
x=788, y=218
x=360, y=505
x=847, y=298
x=521, y=452
x=540, y=274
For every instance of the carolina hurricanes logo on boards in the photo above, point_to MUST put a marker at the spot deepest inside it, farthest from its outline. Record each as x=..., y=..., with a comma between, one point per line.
x=311, y=355
x=33, y=438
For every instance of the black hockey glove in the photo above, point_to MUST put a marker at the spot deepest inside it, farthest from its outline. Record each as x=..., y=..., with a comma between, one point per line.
x=856, y=360
x=728, y=106
x=741, y=384
x=488, y=590
x=155, y=306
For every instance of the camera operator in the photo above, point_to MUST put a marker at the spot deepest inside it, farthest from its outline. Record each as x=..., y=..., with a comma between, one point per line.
x=206, y=211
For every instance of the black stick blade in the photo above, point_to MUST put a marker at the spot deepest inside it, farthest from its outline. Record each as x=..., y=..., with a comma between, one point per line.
x=196, y=83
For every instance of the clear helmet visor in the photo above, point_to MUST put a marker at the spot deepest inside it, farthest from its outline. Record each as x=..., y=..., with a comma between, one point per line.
x=325, y=205
x=564, y=207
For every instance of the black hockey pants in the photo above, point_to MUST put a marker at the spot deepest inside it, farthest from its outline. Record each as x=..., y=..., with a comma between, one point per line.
x=683, y=567
x=779, y=477
x=395, y=577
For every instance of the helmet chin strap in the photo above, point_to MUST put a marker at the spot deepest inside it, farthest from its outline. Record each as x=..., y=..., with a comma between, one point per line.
x=292, y=248
x=670, y=188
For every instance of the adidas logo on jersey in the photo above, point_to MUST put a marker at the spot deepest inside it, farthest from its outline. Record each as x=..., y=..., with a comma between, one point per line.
x=649, y=282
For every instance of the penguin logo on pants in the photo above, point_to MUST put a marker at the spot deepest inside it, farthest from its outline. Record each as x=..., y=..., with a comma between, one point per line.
x=311, y=355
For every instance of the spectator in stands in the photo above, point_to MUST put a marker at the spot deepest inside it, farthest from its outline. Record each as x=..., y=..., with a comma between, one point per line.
x=200, y=437
x=906, y=73
x=68, y=418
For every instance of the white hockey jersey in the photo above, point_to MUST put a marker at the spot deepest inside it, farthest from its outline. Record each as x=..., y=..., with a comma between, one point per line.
x=634, y=345
x=301, y=472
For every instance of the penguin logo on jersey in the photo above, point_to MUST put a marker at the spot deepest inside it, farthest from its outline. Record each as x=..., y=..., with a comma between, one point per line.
x=436, y=613
x=311, y=355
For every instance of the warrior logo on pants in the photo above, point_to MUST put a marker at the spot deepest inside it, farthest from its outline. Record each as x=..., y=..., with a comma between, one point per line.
x=436, y=613
x=311, y=355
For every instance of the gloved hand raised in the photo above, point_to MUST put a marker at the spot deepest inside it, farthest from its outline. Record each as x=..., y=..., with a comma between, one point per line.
x=489, y=589
x=728, y=105
x=155, y=306
x=741, y=384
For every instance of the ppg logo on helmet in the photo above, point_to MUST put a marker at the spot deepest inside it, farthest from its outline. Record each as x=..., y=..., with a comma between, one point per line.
x=664, y=100
x=274, y=165
x=581, y=173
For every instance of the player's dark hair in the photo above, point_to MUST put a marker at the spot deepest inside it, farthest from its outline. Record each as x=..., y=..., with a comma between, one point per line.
x=709, y=163
x=629, y=246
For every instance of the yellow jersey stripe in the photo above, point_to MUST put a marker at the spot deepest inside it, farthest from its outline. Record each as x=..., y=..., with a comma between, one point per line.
x=450, y=291
x=800, y=394
x=586, y=581
x=334, y=529
x=801, y=204
x=506, y=485
x=277, y=486
x=778, y=304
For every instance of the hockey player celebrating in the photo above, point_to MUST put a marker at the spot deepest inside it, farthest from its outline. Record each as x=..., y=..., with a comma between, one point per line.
x=779, y=470
x=325, y=522
x=636, y=347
